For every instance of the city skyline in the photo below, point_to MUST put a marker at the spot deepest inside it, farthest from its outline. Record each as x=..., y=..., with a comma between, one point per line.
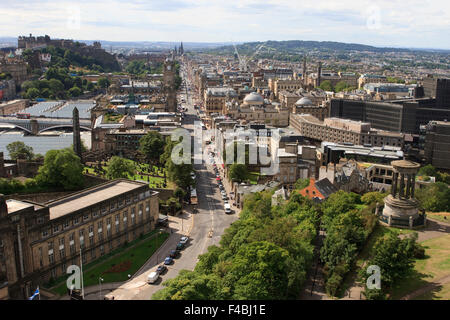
x=380, y=23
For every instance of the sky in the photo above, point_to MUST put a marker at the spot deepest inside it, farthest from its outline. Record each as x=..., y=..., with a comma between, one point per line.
x=393, y=23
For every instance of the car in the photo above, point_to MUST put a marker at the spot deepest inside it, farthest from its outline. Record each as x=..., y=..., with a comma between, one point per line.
x=161, y=269
x=153, y=277
x=224, y=197
x=184, y=240
x=174, y=253
x=180, y=246
x=168, y=261
x=227, y=208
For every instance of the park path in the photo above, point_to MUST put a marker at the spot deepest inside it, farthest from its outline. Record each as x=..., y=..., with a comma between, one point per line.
x=314, y=288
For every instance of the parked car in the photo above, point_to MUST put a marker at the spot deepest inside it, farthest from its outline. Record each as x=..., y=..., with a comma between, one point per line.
x=168, y=261
x=161, y=269
x=174, y=253
x=227, y=208
x=184, y=240
x=224, y=197
x=180, y=246
x=153, y=277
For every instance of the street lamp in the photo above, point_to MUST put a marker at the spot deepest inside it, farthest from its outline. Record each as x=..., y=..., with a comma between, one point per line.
x=100, y=280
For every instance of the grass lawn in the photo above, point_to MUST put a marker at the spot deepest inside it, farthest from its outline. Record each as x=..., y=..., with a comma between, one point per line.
x=436, y=265
x=379, y=232
x=440, y=216
x=154, y=182
x=440, y=293
x=253, y=177
x=118, y=267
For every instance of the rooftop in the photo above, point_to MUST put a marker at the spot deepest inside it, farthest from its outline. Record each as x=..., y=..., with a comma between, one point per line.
x=17, y=205
x=90, y=197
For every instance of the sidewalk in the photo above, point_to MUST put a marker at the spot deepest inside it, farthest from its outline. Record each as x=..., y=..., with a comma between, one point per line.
x=178, y=226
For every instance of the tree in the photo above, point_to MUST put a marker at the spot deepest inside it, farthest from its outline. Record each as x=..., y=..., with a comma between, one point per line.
x=435, y=197
x=103, y=82
x=394, y=256
x=19, y=150
x=326, y=86
x=56, y=86
x=373, y=197
x=428, y=170
x=32, y=93
x=180, y=194
x=338, y=203
x=341, y=86
x=238, y=172
x=120, y=168
x=152, y=146
x=61, y=169
x=301, y=184
x=259, y=271
x=75, y=92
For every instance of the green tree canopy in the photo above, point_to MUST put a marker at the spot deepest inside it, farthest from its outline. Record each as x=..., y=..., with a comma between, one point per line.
x=120, y=168
x=435, y=197
x=75, y=92
x=61, y=169
x=152, y=146
x=19, y=150
x=394, y=256
x=326, y=85
x=103, y=82
x=238, y=172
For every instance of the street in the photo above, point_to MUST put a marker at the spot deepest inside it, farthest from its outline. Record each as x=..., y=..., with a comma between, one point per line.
x=206, y=228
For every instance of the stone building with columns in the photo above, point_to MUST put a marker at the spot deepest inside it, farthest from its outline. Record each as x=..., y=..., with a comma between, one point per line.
x=38, y=241
x=401, y=209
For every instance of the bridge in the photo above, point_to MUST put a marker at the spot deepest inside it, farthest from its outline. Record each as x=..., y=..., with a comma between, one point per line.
x=38, y=125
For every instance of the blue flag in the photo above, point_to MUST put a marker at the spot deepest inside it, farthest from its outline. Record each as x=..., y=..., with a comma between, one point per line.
x=36, y=293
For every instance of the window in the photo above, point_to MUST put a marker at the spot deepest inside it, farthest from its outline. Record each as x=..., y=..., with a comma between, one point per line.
x=56, y=229
x=76, y=220
x=113, y=205
x=147, y=207
x=51, y=258
x=104, y=209
x=86, y=216
x=120, y=203
x=66, y=224
x=40, y=220
x=95, y=213
x=41, y=263
x=128, y=199
x=45, y=233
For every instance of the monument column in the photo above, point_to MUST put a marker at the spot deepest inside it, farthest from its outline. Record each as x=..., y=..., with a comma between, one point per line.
x=408, y=185
x=394, y=184
x=413, y=184
x=402, y=185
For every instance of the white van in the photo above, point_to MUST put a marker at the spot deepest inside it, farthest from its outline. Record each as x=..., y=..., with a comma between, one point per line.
x=153, y=277
x=227, y=208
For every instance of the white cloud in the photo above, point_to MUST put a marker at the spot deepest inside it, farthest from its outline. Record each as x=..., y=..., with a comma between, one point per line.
x=401, y=23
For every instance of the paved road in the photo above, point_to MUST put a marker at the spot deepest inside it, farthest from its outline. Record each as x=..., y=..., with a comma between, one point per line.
x=208, y=227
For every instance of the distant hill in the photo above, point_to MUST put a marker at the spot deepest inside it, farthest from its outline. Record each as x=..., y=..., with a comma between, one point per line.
x=298, y=46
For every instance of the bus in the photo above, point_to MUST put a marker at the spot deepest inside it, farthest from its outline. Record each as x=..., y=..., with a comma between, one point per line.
x=23, y=115
x=194, y=196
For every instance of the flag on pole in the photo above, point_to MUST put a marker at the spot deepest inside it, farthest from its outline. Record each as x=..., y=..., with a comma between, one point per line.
x=36, y=293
